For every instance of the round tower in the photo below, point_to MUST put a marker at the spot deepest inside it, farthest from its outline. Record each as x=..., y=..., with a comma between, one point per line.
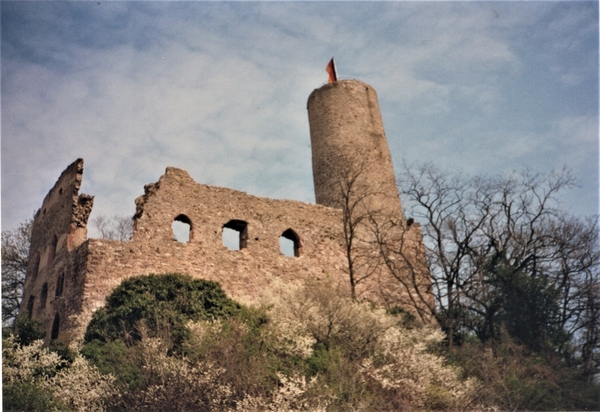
x=349, y=149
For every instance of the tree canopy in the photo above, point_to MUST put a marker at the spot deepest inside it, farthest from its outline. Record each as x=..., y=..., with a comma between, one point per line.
x=503, y=255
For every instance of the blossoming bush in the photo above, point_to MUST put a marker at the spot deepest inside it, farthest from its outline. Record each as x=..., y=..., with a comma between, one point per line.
x=80, y=387
x=288, y=397
x=218, y=373
x=405, y=367
x=35, y=378
x=297, y=348
x=174, y=383
x=363, y=357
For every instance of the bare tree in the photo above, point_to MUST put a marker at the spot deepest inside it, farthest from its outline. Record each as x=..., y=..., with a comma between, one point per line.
x=503, y=254
x=399, y=244
x=446, y=204
x=587, y=343
x=15, y=254
x=115, y=228
x=378, y=242
x=578, y=278
x=358, y=212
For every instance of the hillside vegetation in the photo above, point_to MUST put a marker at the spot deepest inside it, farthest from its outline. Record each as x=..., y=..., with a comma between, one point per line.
x=174, y=343
x=170, y=342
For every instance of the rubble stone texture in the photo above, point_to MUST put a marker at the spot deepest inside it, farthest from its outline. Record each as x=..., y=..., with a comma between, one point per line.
x=348, y=140
x=69, y=276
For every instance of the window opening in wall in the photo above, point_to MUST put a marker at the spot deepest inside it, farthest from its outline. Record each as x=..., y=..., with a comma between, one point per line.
x=59, y=285
x=52, y=251
x=30, y=306
x=289, y=243
x=44, y=296
x=235, y=234
x=286, y=246
x=55, y=327
x=182, y=229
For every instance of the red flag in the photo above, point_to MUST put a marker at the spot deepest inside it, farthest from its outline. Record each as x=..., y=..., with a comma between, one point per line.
x=332, y=71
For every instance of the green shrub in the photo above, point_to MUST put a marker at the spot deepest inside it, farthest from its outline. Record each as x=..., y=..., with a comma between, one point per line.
x=148, y=314
x=516, y=378
x=28, y=330
x=117, y=359
x=159, y=306
x=28, y=396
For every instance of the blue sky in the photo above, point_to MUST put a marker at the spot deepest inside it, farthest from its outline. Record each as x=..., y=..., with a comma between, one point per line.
x=220, y=89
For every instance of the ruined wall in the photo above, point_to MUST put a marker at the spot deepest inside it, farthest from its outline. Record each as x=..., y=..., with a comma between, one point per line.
x=245, y=272
x=241, y=272
x=93, y=269
x=69, y=277
x=56, y=255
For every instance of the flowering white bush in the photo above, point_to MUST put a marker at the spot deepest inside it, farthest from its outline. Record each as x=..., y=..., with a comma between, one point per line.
x=175, y=383
x=289, y=397
x=397, y=359
x=29, y=363
x=406, y=366
x=78, y=386
x=302, y=316
x=291, y=337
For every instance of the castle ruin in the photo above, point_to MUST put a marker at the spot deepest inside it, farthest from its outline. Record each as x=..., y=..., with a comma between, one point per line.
x=69, y=276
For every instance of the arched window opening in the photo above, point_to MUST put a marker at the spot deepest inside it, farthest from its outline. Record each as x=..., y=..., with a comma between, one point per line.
x=30, y=304
x=55, y=327
x=59, y=285
x=290, y=244
x=235, y=234
x=52, y=251
x=286, y=246
x=44, y=296
x=182, y=229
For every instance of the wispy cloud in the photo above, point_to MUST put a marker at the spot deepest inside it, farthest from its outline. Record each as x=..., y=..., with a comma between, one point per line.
x=220, y=90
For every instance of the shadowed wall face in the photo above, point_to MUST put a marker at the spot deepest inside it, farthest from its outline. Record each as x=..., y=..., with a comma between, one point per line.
x=57, y=261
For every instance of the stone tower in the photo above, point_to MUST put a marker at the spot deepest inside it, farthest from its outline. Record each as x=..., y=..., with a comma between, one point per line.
x=349, y=145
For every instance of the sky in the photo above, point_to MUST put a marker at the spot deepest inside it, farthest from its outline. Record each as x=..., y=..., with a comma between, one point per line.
x=220, y=89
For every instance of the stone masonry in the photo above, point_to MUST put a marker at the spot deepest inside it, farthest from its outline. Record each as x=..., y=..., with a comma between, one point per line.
x=69, y=275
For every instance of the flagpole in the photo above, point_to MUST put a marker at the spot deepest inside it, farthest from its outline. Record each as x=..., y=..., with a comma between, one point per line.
x=334, y=69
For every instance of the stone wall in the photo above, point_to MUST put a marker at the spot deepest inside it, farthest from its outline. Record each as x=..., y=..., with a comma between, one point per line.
x=96, y=267
x=69, y=276
x=349, y=146
x=57, y=257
